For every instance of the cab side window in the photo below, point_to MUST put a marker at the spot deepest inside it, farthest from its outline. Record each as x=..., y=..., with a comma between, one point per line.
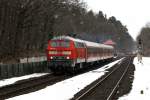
x=79, y=45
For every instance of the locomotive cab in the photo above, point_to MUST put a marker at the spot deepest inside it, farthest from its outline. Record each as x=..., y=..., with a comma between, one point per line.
x=60, y=54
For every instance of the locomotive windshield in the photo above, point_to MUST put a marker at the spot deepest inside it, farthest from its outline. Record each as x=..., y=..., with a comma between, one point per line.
x=60, y=43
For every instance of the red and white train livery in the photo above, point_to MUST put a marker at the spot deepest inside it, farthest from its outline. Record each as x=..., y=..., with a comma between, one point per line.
x=68, y=54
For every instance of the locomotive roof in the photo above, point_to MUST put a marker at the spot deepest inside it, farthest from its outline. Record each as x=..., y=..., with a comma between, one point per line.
x=88, y=43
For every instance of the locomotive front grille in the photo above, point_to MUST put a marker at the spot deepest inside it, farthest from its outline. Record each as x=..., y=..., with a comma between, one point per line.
x=60, y=61
x=59, y=57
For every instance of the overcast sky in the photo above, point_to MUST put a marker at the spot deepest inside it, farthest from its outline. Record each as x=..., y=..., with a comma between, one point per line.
x=132, y=13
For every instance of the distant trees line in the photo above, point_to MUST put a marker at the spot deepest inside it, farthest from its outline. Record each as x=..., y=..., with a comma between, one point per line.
x=26, y=25
x=144, y=36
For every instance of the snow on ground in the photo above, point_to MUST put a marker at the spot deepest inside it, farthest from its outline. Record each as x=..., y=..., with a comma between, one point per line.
x=66, y=89
x=141, y=81
x=15, y=79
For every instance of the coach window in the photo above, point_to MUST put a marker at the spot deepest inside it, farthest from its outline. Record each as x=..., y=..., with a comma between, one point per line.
x=101, y=52
x=89, y=50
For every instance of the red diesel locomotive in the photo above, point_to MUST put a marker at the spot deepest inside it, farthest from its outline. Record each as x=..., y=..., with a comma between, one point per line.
x=65, y=53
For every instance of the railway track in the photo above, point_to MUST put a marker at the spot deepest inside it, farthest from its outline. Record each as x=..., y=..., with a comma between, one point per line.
x=34, y=84
x=29, y=85
x=105, y=87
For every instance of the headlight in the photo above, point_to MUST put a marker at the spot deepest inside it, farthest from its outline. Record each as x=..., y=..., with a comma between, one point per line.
x=52, y=52
x=66, y=52
x=68, y=57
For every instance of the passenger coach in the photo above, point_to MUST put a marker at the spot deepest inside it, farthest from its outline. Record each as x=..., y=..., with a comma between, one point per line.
x=65, y=53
